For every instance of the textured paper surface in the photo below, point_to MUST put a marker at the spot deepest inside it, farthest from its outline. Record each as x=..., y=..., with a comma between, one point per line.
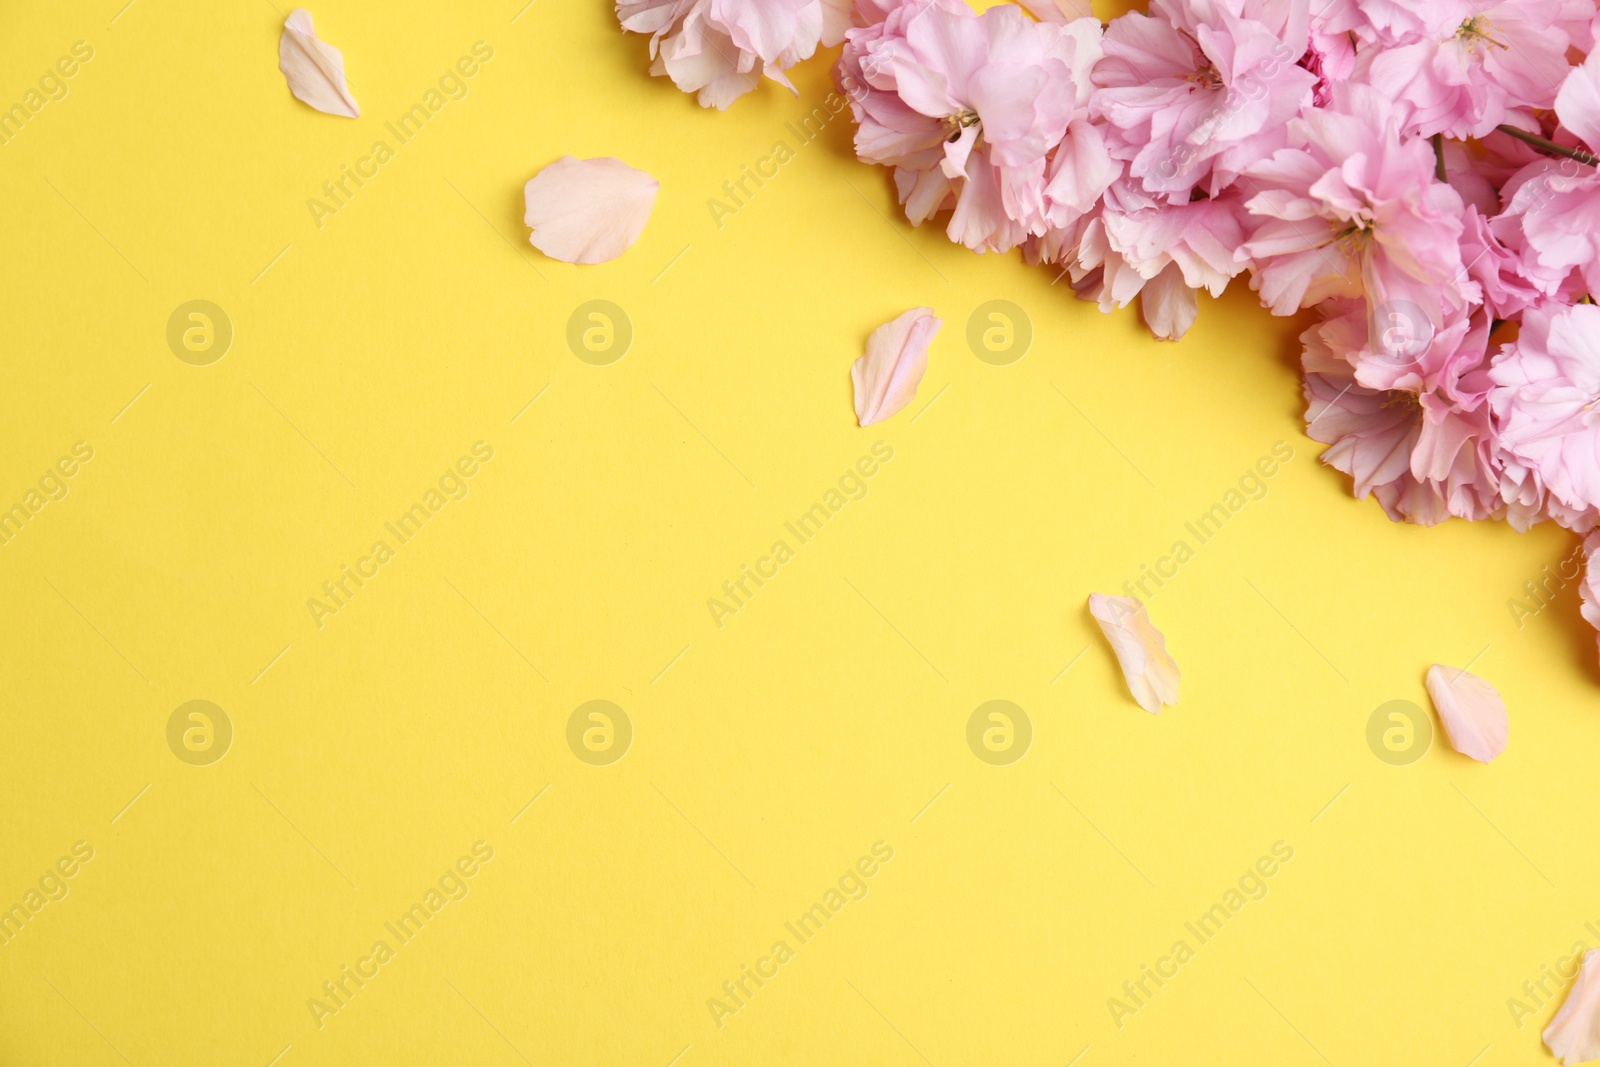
x=835, y=709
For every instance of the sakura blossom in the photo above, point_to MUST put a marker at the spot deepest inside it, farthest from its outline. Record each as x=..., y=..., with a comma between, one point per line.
x=1424, y=175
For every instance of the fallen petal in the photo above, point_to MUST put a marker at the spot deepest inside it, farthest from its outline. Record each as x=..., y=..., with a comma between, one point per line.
x=313, y=68
x=1473, y=714
x=886, y=378
x=588, y=210
x=1573, y=1036
x=1141, y=650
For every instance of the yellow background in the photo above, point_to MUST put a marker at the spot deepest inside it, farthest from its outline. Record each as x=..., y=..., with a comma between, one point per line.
x=768, y=755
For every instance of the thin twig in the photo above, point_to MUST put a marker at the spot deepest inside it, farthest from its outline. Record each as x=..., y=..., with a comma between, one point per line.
x=1544, y=144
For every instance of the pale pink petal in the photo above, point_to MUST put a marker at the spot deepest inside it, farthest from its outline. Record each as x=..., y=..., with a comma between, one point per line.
x=313, y=68
x=588, y=210
x=1578, y=102
x=1141, y=650
x=836, y=20
x=1573, y=1036
x=886, y=378
x=1473, y=714
x=1169, y=306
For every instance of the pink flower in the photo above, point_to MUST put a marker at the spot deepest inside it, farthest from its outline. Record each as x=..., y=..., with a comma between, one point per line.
x=1160, y=252
x=1472, y=66
x=1554, y=204
x=1401, y=349
x=1581, y=21
x=1547, y=388
x=1527, y=502
x=1196, y=93
x=720, y=49
x=1353, y=211
x=1338, y=28
x=968, y=108
x=1423, y=454
x=1497, y=269
x=1370, y=21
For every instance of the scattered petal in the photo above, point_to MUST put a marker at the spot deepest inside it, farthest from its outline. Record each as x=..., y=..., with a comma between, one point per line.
x=588, y=210
x=1573, y=1036
x=313, y=68
x=1141, y=650
x=1473, y=714
x=886, y=378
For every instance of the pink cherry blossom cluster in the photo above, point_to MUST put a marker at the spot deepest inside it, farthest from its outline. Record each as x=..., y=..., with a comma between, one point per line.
x=1421, y=173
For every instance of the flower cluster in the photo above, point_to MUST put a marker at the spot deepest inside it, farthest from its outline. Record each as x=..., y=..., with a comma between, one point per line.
x=720, y=49
x=1420, y=173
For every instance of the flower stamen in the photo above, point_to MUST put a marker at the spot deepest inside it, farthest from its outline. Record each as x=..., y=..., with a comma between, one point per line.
x=963, y=119
x=1479, y=30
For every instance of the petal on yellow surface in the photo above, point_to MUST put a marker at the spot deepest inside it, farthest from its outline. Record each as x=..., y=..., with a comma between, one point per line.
x=314, y=68
x=1473, y=714
x=1573, y=1036
x=1141, y=650
x=588, y=210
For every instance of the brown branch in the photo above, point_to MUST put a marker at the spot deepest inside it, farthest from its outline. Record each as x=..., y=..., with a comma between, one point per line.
x=1544, y=144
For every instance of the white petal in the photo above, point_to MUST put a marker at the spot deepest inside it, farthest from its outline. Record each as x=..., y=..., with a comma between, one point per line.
x=886, y=378
x=314, y=69
x=1573, y=1036
x=1473, y=714
x=1141, y=650
x=588, y=210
